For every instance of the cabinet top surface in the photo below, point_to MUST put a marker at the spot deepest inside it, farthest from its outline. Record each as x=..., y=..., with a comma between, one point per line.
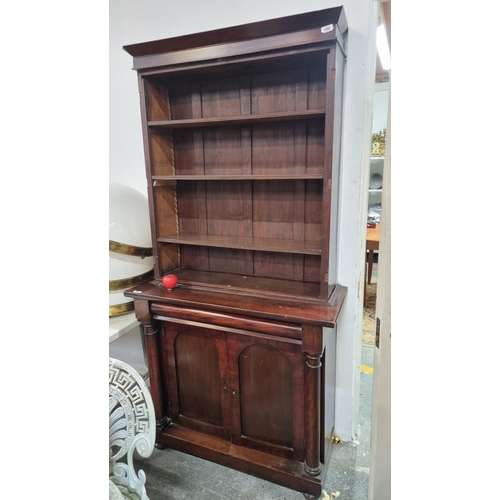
x=317, y=313
x=245, y=32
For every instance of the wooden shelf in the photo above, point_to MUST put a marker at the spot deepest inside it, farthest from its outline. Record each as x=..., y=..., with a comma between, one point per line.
x=248, y=284
x=237, y=120
x=258, y=177
x=242, y=243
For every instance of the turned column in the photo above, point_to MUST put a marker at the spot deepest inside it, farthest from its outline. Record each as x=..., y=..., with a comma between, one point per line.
x=312, y=345
x=152, y=349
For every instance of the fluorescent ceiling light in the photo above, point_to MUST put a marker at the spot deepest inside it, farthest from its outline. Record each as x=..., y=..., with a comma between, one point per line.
x=383, y=47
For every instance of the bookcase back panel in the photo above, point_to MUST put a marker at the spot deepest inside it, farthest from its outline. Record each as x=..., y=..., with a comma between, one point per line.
x=312, y=268
x=315, y=146
x=273, y=148
x=252, y=263
x=222, y=148
x=291, y=148
x=194, y=257
x=313, y=211
x=316, y=87
x=229, y=208
x=275, y=265
x=279, y=92
x=226, y=97
x=191, y=205
x=185, y=101
x=258, y=149
x=189, y=154
x=274, y=91
x=228, y=260
x=284, y=209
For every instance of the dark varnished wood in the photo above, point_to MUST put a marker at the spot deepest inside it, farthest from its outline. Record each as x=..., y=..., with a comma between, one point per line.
x=253, y=285
x=196, y=364
x=230, y=177
x=166, y=312
x=237, y=120
x=219, y=207
x=318, y=313
x=287, y=472
x=153, y=351
x=243, y=32
x=241, y=132
x=237, y=49
x=313, y=349
x=267, y=386
x=245, y=243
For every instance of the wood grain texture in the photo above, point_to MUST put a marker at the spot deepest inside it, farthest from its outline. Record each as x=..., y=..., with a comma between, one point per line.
x=287, y=472
x=237, y=120
x=289, y=330
x=241, y=132
x=237, y=49
x=243, y=32
x=243, y=243
x=279, y=308
x=196, y=364
x=269, y=390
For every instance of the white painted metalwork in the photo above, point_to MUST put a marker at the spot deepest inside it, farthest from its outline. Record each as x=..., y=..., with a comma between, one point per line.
x=132, y=425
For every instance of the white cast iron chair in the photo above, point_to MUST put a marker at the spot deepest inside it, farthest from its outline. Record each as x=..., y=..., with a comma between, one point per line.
x=132, y=426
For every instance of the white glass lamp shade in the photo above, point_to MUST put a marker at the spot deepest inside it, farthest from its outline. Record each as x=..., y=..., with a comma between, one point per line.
x=117, y=298
x=129, y=227
x=128, y=216
x=127, y=266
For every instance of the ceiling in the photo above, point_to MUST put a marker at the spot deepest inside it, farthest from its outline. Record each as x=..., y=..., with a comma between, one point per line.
x=382, y=75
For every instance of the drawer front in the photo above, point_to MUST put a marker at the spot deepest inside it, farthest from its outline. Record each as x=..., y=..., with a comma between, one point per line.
x=269, y=327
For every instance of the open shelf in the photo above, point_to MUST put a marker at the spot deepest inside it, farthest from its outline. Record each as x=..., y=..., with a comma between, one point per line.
x=238, y=120
x=248, y=284
x=239, y=183
x=243, y=243
x=251, y=177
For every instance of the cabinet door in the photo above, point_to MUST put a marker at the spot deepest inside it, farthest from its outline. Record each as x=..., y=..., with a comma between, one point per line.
x=267, y=386
x=197, y=386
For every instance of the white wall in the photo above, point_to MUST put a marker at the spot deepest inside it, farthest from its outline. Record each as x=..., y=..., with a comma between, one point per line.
x=380, y=445
x=133, y=22
x=380, y=106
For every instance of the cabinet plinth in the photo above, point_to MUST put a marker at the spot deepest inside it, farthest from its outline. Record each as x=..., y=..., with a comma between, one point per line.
x=241, y=130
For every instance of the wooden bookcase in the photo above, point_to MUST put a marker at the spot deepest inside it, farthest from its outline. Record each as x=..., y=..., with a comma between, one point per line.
x=241, y=131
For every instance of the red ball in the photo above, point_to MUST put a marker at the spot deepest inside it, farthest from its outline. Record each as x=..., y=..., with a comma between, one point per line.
x=169, y=281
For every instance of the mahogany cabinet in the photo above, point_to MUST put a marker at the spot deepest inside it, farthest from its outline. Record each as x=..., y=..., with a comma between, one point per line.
x=241, y=130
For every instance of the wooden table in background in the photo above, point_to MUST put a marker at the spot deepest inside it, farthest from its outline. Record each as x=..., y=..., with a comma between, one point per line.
x=372, y=244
